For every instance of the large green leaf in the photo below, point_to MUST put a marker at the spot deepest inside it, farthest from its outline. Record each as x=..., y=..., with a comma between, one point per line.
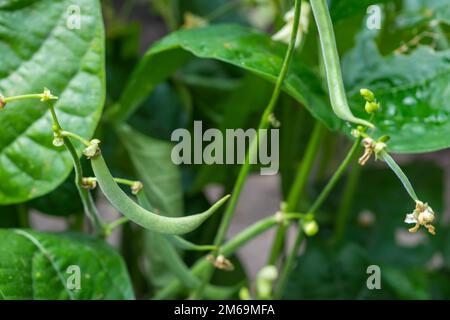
x=413, y=91
x=239, y=46
x=39, y=50
x=35, y=265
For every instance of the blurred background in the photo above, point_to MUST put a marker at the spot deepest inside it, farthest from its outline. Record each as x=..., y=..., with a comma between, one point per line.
x=362, y=222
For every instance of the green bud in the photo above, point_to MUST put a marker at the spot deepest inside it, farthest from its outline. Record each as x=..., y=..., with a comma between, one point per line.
x=384, y=139
x=355, y=133
x=244, y=294
x=264, y=281
x=371, y=107
x=269, y=273
x=47, y=95
x=310, y=228
x=367, y=95
x=89, y=183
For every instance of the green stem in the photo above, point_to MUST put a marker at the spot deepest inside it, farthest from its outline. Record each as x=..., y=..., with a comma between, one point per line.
x=288, y=265
x=86, y=198
x=298, y=186
x=264, y=124
x=23, y=97
x=76, y=137
x=116, y=223
x=347, y=198
x=399, y=173
x=227, y=249
x=336, y=176
x=24, y=218
x=123, y=181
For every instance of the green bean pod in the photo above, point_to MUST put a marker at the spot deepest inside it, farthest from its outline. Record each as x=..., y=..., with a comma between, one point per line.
x=176, y=241
x=332, y=66
x=175, y=263
x=146, y=219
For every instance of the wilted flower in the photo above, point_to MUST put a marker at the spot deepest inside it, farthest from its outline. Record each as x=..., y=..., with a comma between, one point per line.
x=192, y=21
x=89, y=183
x=93, y=149
x=221, y=262
x=284, y=34
x=423, y=215
x=370, y=146
x=136, y=187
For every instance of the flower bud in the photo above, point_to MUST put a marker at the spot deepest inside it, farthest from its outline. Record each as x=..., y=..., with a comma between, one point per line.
x=371, y=106
x=244, y=294
x=89, y=183
x=355, y=133
x=264, y=281
x=310, y=228
x=367, y=95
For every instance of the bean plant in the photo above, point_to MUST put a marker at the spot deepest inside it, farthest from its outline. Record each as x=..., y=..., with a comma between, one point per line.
x=87, y=116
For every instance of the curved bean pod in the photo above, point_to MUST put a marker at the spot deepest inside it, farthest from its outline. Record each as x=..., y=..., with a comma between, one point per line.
x=141, y=216
x=332, y=65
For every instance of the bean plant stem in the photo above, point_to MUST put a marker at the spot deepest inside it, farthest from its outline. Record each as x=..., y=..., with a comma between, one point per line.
x=227, y=249
x=117, y=223
x=123, y=181
x=399, y=173
x=346, y=202
x=288, y=265
x=298, y=187
x=75, y=137
x=23, y=97
x=24, y=219
x=264, y=124
x=86, y=198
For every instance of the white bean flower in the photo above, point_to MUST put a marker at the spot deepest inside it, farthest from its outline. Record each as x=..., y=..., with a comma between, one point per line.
x=284, y=34
x=423, y=215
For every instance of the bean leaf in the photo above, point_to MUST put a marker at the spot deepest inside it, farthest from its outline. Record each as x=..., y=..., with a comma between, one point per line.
x=240, y=46
x=41, y=46
x=36, y=265
x=413, y=90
